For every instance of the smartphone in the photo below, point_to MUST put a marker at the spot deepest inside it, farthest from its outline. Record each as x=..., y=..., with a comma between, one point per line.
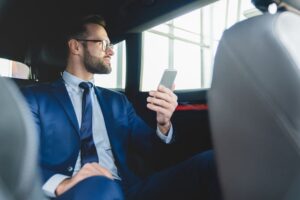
x=168, y=78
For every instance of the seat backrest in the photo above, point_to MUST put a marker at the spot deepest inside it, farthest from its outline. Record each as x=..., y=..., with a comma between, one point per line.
x=18, y=147
x=254, y=107
x=48, y=60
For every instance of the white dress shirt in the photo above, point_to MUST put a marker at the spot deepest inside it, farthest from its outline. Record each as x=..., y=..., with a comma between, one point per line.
x=100, y=136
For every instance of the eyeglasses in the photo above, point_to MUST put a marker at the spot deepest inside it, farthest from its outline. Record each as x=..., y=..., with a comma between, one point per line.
x=105, y=43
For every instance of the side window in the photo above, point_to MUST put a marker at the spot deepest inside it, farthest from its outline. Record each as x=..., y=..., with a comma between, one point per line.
x=116, y=79
x=188, y=44
x=13, y=69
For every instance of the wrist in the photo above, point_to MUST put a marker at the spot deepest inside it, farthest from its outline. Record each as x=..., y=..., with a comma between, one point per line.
x=164, y=128
x=62, y=187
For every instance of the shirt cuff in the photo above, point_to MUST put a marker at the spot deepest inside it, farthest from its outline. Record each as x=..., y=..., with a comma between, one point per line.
x=50, y=186
x=165, y=138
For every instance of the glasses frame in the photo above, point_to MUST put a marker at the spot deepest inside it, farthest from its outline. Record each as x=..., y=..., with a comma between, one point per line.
x=105, y=43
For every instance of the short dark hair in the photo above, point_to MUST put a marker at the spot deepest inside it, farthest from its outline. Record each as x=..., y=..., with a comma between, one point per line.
x=79, y=28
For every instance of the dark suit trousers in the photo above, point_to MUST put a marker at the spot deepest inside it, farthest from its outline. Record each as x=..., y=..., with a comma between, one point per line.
x=94, y=188
x=195, y=178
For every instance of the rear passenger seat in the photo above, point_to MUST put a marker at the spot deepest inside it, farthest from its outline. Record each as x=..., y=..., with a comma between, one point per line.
x=22, y=82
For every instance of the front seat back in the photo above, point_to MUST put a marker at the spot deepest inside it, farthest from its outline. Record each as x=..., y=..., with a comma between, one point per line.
x=18, y=147
x=254, y=107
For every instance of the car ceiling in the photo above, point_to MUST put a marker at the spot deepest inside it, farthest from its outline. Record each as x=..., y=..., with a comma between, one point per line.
x=26, y=23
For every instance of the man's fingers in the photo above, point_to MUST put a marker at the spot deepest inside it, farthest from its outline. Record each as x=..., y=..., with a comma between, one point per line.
x=102, y=170
x=89, y=170
x=164, y=93
x=94, y=169
x=169, y=105
x=159, y=109
x=159, y=102
x=106, y=173
x=155, y=97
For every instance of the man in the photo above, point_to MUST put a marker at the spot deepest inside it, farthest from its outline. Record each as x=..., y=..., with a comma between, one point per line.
x=86, y=132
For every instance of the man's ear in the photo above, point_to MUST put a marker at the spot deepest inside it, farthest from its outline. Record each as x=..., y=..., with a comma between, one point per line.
x=74, y=46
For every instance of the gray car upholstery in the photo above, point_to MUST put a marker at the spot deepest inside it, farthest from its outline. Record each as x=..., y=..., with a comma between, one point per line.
x=254, y=107
x=18, y=147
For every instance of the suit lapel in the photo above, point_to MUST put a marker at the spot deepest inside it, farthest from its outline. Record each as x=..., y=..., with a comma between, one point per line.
x=111, y=127
x=60, y=92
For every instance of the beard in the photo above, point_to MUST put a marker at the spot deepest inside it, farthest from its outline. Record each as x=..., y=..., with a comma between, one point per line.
x=95, y=65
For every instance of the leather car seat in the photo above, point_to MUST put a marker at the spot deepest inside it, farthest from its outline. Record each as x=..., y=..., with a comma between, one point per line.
x=19, y=175
x=254, y=106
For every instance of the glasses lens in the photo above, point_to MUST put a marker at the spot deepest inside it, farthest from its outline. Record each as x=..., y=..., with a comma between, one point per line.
x=104, y=45
x=110, y=46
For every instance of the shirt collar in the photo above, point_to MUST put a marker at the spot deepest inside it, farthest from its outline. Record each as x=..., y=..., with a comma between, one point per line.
x=73, y=81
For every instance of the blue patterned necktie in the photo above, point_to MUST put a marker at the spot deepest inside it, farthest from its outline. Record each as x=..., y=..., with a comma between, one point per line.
x=87, y=146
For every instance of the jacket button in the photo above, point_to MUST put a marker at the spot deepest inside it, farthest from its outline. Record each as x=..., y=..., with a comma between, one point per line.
x=70, y=168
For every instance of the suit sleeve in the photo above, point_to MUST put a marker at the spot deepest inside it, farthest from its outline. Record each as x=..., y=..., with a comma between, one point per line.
x=33, y=106
x=49, y=185
x=143, y=138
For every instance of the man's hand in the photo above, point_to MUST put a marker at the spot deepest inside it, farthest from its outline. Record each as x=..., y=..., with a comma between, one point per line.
x=163, y=102
x=88, y=170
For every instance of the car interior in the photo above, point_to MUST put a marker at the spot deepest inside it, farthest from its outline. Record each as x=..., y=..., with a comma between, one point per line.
x=248, y=116
x=32, y=32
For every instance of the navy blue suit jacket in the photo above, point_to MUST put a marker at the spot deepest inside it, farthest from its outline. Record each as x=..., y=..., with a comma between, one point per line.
x=58, y=129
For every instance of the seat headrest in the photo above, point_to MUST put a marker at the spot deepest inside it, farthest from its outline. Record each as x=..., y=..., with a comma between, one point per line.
x=52, y=54
x=285, y=4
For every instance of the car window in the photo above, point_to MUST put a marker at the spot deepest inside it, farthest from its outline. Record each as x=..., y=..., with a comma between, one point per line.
x=116, y=79
x=188, y=43
x=13, y=69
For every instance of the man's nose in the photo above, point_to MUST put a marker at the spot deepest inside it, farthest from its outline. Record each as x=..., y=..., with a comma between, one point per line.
x=110, y=51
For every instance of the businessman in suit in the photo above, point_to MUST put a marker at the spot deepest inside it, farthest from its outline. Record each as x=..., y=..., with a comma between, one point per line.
x=86, y=132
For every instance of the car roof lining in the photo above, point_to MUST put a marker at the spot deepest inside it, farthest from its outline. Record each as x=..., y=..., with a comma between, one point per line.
x=33, y=23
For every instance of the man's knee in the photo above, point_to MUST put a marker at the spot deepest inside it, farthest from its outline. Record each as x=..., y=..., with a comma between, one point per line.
x=205, y=159
x=97, y=187
x=204, y=163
